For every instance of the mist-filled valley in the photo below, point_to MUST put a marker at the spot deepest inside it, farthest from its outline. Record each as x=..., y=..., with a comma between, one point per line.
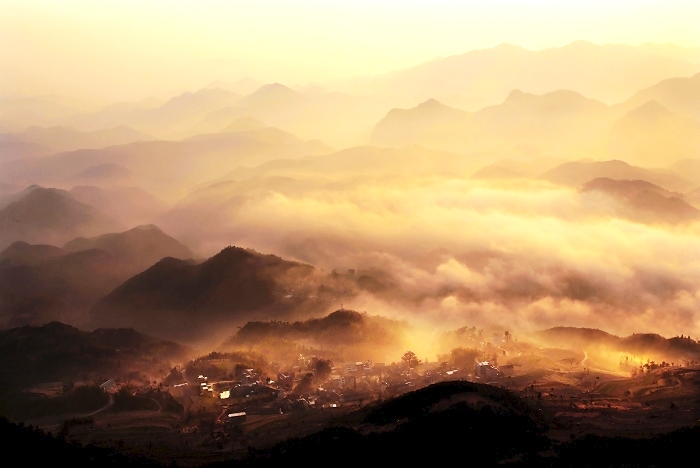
x=499, y=245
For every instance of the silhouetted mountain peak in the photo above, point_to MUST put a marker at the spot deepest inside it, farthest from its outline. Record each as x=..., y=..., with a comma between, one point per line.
x=22, y=253
x=562, y=99
x=432, y=102
x=144, y=245
x=276, y=90
x=515, y=95
x=649, y=110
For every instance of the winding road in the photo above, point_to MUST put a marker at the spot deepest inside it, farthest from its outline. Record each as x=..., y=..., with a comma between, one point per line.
x=105, y=407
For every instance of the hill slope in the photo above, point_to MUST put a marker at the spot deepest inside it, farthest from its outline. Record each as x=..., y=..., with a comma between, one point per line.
x=176, y=298
x=59, y=352
x=139, y=247
x=644, y=201
x=579, y=172
x=49, y=216
x=42, y=283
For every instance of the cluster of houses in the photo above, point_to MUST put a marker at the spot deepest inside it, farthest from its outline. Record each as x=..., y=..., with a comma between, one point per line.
x=294, y=388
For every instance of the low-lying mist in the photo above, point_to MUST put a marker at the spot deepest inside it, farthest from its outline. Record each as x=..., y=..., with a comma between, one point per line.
x=516, y=253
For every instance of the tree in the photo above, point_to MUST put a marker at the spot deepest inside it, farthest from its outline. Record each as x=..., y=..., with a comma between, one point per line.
x=410, y=359
x=464, y=358
x=322, y=368
x=305, y=385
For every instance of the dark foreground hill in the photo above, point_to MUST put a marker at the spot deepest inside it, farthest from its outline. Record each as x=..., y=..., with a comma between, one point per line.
x=445, y=421
x=183, y=300
x=476, y=424
x=36, y=448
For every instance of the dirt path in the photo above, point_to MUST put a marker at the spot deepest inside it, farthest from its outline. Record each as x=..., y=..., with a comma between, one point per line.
x=160, y=407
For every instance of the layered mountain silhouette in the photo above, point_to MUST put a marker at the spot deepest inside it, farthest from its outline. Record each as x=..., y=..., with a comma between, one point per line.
x=651, y=133
x=165, y=167
x=169, y=120
x=17, y=114
x=403, y=127
x=40, y=141
x=679, y=95
x=337, y=118
x=184, y=300
x=579, y=172
x=483, y=77
x=42, y=283
x=140, y=247
x=559, y=120
x=128, y=205
x=49, y=216
x=644, y=201
x=639, y=344
x=21, y=253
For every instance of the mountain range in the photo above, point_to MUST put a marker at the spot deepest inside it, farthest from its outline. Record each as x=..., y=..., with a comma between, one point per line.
x=189, y=301
x=42, y=283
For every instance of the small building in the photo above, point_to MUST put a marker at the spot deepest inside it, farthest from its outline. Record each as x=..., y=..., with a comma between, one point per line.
x=108, y=384
x=286, y=381
x=237, y=418
x=485, y=370
x=507, y=369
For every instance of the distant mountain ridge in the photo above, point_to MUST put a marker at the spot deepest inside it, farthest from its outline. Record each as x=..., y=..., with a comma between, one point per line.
x=164, y=166
x=401, y=127
x=41, y=141
x=578, y=173
x=639, y=344
x=645, y=201
x=49, y=216
x=142, y=246
x=484, y=77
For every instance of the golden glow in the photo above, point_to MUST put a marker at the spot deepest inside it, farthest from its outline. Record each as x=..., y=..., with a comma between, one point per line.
x=109, y=50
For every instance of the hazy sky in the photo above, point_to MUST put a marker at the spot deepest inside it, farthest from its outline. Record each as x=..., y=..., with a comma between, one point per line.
x=131, y=49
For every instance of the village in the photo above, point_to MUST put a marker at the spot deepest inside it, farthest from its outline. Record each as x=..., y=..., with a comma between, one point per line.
x=230, y=401
x=216, y=405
